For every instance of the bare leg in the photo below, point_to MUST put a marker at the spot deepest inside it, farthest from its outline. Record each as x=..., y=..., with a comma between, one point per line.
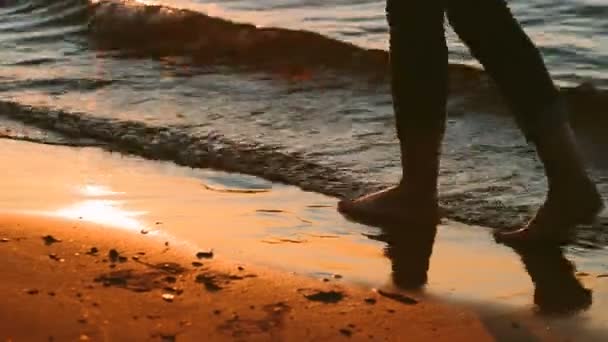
x=418, y=55
x=499, y=43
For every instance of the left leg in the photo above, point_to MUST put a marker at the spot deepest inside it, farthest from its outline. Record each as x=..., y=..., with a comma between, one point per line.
x=497, y=40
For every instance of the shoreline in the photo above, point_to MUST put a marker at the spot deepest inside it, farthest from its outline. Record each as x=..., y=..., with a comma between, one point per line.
x=146, y=204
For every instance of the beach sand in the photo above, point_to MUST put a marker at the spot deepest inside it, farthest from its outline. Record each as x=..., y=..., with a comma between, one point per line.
x=63, y=292
x=117, y=274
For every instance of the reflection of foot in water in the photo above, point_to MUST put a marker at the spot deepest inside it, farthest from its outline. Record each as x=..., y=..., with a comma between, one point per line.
x=409, y=248
x=557, y=291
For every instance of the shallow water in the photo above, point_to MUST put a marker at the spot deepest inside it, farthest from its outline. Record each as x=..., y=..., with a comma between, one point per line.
x=270, y=88
x=296, y=231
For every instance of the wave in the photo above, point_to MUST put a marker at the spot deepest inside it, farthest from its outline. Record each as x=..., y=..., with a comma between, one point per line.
x=132, y=29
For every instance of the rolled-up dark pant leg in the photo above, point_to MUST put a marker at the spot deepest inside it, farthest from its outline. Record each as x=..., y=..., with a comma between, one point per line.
x=497, y=40
x=418, y=56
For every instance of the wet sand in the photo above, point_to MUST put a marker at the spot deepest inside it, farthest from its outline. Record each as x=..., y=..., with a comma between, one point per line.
x=293, y=242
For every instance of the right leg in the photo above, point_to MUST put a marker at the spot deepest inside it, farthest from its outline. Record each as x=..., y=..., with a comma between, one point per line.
x=418, y=60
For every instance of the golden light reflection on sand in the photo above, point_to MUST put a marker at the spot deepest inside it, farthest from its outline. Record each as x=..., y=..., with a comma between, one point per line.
x=104, y=212
x=97, y=191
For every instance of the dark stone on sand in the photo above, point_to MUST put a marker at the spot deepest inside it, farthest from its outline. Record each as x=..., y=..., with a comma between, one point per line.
x=603, y=275
x=122, y=259
x=240, y=268
x=197, y=264
x=5, y=240
x=398, y=297
x=93, y=251
x=32, y=291
x=346, y=332
x=209, y=282
x=113, y=255
x=143, y=231
x=49, y=240
x=170, y=279
x=326, y=296
x=370, y=301
x=114, y=279
x=51, y=293
x=205, y=255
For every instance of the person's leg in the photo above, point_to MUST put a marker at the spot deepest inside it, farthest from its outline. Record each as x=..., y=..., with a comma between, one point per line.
x=497, y=40
x=418, y=56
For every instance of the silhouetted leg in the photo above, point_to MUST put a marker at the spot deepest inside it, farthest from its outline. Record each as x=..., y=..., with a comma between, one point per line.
x=497, y=40
x=418, y=56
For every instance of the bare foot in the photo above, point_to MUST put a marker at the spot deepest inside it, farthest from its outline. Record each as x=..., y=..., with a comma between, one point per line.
x=559, y=215
x=393, y=206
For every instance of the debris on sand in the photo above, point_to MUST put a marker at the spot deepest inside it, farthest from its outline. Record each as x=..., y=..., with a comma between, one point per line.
x=32, y=291
x=209, y=281
x=5, y=240
x=168, y=297
x=346, y=332
x=143, y=232
x=205, y=255
x=116, y=257
x=325, y=296
x=54, y=256
x=370, y=301
x=93, y=251
x=49, y=240
x=197, y=264
x=167, y=338
x=170, y=279
x=602, y=275
x=174, y=290
x=398, y=297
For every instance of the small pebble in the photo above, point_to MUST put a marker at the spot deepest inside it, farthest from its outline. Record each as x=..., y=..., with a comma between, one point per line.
x=5, y=240
x=168, y=297
x=204, y=255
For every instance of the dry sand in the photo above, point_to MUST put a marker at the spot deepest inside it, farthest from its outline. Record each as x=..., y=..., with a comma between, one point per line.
x=63, y=292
